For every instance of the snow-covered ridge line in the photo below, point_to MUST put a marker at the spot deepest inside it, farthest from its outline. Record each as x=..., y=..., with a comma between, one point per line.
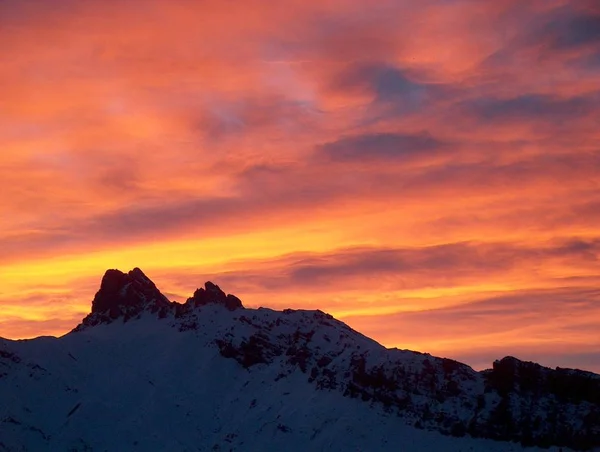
x=137, y=351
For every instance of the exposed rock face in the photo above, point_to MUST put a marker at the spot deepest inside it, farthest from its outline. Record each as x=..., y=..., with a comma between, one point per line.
x=123, y=296
x=211, y=293
x=515, y=401
x=542, y=406
x=121, y=292
x=126, y=296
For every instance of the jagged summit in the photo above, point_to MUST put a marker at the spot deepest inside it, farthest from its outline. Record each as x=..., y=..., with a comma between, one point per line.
x=211, y=293
x=128, y=295
x=119, y=292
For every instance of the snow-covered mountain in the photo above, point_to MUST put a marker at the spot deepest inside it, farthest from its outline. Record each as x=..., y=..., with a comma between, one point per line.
x=143, y=373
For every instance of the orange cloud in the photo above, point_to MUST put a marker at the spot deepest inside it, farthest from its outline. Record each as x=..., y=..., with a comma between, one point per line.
x=395, y=165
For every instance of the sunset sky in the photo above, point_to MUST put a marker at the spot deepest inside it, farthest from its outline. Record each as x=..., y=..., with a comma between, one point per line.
x=426, y=171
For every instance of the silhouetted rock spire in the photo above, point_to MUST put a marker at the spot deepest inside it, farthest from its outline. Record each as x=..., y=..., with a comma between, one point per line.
x=211, y=293
x=121, y=293
x=128, y=295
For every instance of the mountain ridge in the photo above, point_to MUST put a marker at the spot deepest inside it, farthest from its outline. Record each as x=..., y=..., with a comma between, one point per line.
x=514, y=401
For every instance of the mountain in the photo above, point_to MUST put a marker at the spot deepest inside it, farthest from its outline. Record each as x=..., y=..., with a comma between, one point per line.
x=143, y=373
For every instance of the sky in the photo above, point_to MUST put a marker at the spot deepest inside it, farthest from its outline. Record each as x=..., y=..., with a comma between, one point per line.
x=428, y=172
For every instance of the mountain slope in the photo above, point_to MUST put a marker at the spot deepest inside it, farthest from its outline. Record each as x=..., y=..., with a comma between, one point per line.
x=144, y=373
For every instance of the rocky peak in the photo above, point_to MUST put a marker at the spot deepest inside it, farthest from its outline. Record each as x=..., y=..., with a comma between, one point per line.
x=124, y=295
x=211, y=293
x=120, y=292
x=128, y=295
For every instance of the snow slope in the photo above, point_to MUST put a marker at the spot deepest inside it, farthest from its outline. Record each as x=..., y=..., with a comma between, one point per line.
x=142, y=373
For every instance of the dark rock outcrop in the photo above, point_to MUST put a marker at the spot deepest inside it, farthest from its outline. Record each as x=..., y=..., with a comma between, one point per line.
x=515, y=401
x=211, y=293
x=121, y=293
x=542, y=406
x=127, y=295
